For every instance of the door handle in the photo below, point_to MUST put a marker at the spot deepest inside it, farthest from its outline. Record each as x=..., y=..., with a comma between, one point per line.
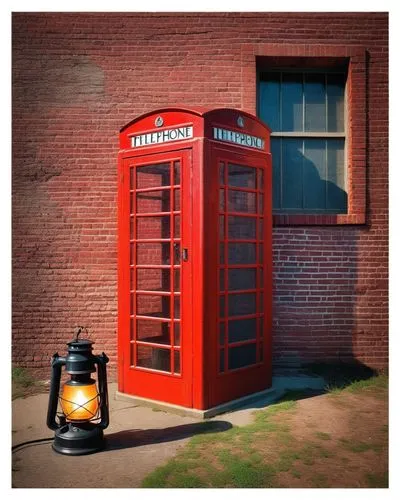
x=185, y=254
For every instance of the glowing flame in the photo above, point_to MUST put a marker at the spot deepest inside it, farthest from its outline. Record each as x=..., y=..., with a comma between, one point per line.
x=79, y=402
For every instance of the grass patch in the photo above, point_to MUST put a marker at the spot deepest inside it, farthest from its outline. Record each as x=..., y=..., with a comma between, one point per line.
x=377, y=480
x=319, y=480
x=23, y=384
x=265, y=454
x=21, y=376
x=373, y=385
x=244, y=473
x=359, y=446
x=235, y=461
x=378, y=382
x=323, y=435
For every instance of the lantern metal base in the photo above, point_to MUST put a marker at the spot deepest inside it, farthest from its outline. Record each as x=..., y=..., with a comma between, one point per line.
x=78, y=439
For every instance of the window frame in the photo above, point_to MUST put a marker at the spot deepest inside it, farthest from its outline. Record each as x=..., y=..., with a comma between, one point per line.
x=254, y=55
x=341, y=70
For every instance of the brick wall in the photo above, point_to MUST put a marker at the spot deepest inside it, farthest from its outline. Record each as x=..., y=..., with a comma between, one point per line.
x=78, y=78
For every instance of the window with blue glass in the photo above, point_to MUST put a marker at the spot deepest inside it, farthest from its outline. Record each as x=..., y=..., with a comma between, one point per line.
x=306, y=112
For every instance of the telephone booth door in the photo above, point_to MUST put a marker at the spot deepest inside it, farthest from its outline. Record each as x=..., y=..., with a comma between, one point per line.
x=241, y=364
x=155, y=306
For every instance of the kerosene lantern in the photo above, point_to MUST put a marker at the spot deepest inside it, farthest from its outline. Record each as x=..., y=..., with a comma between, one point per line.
x=84, y=404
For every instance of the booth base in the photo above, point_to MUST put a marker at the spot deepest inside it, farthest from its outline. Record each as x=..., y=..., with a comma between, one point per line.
x=262, y=398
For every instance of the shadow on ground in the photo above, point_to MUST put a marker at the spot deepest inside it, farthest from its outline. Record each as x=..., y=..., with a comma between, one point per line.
x=340, y=375
x=138, y=437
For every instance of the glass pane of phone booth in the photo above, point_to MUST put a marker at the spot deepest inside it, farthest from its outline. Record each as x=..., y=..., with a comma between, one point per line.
x=241, y=212
x=155, y=228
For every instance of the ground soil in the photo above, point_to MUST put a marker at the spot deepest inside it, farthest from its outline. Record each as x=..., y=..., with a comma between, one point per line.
x=350, y=432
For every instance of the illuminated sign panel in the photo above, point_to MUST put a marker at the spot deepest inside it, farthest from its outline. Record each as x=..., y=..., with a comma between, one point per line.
x=250, y=141
x=161, y=136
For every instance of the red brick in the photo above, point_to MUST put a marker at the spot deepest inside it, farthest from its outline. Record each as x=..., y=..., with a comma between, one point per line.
x=79, y=77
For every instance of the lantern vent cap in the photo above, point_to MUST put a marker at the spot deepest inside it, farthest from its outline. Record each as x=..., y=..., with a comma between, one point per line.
x=80, y=344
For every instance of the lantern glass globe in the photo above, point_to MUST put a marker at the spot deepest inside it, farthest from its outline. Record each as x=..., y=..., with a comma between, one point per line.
x=79, y=402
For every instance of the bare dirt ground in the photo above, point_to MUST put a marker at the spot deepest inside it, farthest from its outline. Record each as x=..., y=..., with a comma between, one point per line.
x=350, y=432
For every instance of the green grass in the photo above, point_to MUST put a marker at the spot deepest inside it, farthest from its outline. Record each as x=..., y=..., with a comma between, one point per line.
x=22, y=382
x=253, y=456
x=21, y=376
x=371, y=385
x=360, y=446
x=378, y=382
x=323, y=435
x=235, y=462
x=377, y=480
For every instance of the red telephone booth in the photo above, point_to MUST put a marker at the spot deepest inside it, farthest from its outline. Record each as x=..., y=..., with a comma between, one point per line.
x=195, y=256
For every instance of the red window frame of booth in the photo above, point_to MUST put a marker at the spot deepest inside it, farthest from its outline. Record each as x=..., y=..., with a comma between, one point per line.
x=356, y=109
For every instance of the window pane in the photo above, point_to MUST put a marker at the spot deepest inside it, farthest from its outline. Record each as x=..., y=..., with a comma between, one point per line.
x=261, y=228
x=242, y=304
x=222, y=360
x=262, y=324
x=335, y=95
x=221, y=173
x=242, y=279
x=177, y=333
x=153, y=227
x=261, y=283
x=241, y=228
x=315, y=102
x=153, y=254
x=221, y=253
x=156, y=306
x=269, y=100
x=177, y=226
x=336, y=188
x=222, y=333
x=276, y=172
x=260, y=184
x=222, y=200
x=260, y=253
x=154, y=358
x=241, y=176
x=260, y=203
x=243, y=355
x=314, y=173
x=177, y=172
x=153, y=201
x=177, y=280
x=292, y=102
x=222, y=280
x=156, y=332
x=222, y=306
x=221, y=227
x=177, y=200
x=241, y=201
x=153, y=176
x=242, y=329
x=177, y=361
x=153, y=279
x=177, y=254
x=241, y=253
x=177, y=307
x=292, y=175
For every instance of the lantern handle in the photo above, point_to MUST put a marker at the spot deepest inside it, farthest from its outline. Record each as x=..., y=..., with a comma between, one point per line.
x=101, y=362
x=78, y=330
x=56, y=364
